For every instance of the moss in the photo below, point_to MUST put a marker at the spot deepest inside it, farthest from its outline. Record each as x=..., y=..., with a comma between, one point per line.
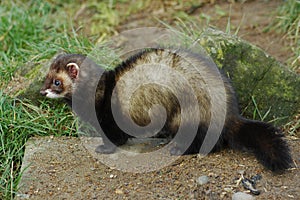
x=255, y=74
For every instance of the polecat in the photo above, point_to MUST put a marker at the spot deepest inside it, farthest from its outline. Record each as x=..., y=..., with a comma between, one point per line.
x=195, y=97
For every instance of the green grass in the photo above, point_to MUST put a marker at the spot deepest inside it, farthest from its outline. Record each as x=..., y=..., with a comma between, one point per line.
x=27, y=36
x=287, y=21
x=257, y=113
x=33, y=32
x=20, y=120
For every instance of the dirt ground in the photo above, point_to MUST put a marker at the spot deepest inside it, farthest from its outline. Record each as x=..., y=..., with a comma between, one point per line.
x=65, y=170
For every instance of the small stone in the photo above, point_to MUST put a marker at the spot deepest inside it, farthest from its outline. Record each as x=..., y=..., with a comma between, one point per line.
x=211, y=174
x=241, y=172
x=223, y=195
x=177, y=182
x=23, y=196
x=228, y=189
x=119, y=191
x=202, y=180
x=242, y=196
x=112, y=176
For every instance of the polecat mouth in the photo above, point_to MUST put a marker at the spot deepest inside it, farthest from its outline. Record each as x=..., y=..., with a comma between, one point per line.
x=50, y=94
x=43, y=92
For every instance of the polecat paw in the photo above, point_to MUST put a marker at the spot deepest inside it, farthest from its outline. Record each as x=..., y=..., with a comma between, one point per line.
x=105, y=149
x=176, y=151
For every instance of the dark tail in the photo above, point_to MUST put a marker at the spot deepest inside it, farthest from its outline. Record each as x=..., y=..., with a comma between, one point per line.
x=264, y=140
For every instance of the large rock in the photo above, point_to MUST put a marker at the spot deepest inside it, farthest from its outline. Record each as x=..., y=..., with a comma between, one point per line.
x=255, y=76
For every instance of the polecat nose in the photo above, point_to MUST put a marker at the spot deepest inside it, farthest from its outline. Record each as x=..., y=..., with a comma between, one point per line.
x=43, y=92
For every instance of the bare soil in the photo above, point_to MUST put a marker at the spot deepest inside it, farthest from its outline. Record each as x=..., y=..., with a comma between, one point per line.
x=250, y=20
x=61, y=168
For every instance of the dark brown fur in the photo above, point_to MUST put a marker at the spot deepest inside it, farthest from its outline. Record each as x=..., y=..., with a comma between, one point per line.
x=239, y=133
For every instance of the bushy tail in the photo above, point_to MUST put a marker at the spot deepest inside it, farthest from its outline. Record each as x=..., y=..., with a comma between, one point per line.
x=264, y=140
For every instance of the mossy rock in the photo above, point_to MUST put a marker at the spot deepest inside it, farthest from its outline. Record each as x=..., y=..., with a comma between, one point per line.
x=261, y=82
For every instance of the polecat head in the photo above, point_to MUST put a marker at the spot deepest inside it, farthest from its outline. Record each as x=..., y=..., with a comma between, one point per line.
x=62, y=76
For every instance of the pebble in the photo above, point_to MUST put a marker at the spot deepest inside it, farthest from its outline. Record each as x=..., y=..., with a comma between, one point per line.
x=242, y=196
x=227, y=189
x=241, y=172
x=202, y=180
x=112, y=176
x=119, y=191
x=23, y=196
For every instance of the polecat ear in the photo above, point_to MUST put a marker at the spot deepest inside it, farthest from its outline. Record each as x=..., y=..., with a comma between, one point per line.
x=73, y=70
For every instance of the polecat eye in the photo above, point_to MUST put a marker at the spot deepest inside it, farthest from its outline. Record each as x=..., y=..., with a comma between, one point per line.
x=56, y=82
